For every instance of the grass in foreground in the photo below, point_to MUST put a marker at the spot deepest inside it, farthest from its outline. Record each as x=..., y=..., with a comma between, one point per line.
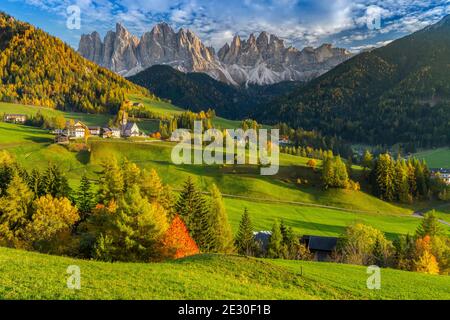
x=26, y=275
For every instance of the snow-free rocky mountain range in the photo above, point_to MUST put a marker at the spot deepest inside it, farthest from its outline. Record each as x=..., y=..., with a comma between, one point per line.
x=261, y=60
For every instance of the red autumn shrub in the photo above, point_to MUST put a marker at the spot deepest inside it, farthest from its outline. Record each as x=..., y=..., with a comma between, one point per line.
x=177, y=241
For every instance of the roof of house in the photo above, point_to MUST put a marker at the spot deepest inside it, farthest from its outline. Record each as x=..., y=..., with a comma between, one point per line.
x=322, y=243
x=129, y=126
x=15, y=115
x=440, y=170
x=263, y=237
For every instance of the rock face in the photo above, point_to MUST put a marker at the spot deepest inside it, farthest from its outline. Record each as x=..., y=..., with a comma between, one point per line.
x=262, y=60
x=266, y=60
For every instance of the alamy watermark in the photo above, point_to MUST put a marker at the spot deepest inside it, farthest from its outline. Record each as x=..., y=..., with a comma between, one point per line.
x=374, y=280
x=373, y=16
x=74, y=279
x=73, y=21
x=255, y=147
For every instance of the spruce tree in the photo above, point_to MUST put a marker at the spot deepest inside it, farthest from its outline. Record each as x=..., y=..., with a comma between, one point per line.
x=401, y=182
x=290, y=241
x=168, y=200
x=56, y=183
x=193, y=209
x=385, y=177
x=36, y=184
x=430, y=226
x=85, y=198
x=219, y=227
x=245, y=240
x=275, y=246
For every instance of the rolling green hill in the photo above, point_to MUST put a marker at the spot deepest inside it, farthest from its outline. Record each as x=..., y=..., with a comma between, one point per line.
x=198, y=91
x=435, y=158
x=399, y=93
x=168, y=109
x=267, y=198
x=26, y=275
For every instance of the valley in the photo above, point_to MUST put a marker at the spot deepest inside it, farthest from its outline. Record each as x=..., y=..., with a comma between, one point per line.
x=87, y=177
x=267, y=198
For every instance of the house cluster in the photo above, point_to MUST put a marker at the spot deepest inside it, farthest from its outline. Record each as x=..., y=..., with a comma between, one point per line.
x=443, y=174
x=15, y=118
x=79, y=130
x=322, y=248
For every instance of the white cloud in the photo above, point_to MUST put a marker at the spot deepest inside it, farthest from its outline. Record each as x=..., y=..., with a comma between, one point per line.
x=299, y=22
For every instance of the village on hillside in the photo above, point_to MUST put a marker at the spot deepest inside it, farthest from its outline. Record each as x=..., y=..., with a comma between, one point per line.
x=75, y=129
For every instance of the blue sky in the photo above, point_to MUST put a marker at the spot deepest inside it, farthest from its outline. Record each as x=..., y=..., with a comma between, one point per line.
x=344, y=23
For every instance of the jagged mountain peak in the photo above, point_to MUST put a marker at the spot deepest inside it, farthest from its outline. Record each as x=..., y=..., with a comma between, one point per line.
x=262, y=59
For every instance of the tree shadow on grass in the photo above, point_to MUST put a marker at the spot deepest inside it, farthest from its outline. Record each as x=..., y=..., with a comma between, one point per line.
x=83, y=157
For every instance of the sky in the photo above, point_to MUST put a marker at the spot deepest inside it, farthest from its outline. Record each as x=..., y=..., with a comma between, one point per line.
x=355, y=25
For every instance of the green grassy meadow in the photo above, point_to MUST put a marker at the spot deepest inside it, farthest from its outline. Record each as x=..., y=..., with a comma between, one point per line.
x=263, y=194
x=88, y=119
x=165, y=108
x=436, y=158
x=294, y=195
x=27, y=275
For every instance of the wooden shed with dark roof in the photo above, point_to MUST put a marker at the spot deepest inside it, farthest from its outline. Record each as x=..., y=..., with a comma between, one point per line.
x=321, y=247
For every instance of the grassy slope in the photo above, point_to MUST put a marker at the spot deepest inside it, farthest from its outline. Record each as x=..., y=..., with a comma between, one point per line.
x=25, y=275
x=169, y=109
x=33, y=148
x=443, y=212
x=436, y=158
x=304, y=220
x=316, y=221
x=88, y=119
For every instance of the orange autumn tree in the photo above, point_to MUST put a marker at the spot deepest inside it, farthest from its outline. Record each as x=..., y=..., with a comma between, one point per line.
x=425, y=261
x=177, y=242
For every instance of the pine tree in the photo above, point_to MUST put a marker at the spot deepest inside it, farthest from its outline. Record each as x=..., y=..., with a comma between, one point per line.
x=137, y=228
x=430, y=226
x=334, y=173
x=111, y=184
x=131, y=174
x=151, y=185
x=7, y=171
x=385, y=177
x=401, y=182
x=378, y=253
x=168, y=200
x=36, y=184
x=219, y=227
x=15, y=208
x=245, y=240
x=275, y=245
x=85, y=198
x=55, y=183
x=192, y=208
x=367, y=161
x=290, y=241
